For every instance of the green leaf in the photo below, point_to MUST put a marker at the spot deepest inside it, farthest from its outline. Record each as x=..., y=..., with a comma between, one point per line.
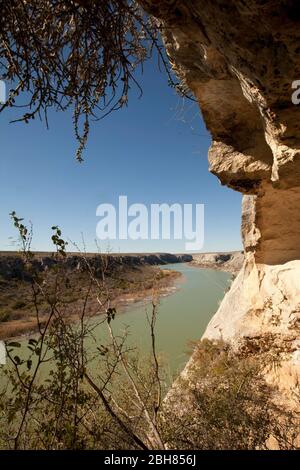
x=32, y=342
x=14, y=344
x=17, y=360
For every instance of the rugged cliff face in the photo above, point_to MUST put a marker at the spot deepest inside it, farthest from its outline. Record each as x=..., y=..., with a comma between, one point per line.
x=229, y=261
x=240, y=59
x=12, y=263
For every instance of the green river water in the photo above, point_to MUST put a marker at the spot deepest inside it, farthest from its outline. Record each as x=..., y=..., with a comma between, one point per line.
x=182, y=316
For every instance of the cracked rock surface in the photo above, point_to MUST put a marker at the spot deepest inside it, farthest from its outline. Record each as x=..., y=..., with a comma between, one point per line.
x=240, y=59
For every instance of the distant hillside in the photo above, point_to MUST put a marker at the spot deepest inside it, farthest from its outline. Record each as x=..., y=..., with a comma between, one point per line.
x=12, y=264
x=225, y=261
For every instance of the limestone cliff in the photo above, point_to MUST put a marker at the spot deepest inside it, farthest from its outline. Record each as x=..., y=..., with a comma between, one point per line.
x=229, y=261
x=240, y=59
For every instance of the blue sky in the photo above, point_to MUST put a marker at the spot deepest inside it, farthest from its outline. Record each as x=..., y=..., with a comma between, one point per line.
x=154, y=151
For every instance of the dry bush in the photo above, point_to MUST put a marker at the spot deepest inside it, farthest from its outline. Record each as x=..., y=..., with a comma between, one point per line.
x=73, y=54
x=226, y=404
x=66, y=388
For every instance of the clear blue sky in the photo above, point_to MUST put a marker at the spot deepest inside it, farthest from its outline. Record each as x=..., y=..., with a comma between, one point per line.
x=154, y=151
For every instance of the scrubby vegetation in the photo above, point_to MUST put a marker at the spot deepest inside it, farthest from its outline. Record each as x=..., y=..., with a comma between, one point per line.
x=227, y=404
x=66, y=388
x=113, y=400
x=78, y=55
x=67, y=279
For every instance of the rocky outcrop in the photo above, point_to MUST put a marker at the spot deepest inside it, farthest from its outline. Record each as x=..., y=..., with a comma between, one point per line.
x=261, y=315
x=240, y=59
x=228, y=261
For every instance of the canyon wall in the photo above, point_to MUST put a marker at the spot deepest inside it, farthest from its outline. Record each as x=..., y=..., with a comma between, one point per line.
x=12, y=263
x=240, y=59
x=225, y=261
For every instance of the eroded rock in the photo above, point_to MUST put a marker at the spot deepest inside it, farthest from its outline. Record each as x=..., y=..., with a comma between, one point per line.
x=240, y=60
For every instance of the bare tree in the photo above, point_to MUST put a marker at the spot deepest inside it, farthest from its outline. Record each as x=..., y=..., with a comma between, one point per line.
x=92, y=394
x=78, y=54
x=68, y=388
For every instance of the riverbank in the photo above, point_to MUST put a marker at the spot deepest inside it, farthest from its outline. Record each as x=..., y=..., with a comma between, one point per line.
x=129, y=279
x=74, y=286
x=182, y=316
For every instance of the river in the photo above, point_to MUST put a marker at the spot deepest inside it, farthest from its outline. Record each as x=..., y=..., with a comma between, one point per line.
x=182, y=316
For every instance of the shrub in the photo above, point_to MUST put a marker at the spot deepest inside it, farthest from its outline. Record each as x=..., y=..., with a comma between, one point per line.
x=225, y=403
